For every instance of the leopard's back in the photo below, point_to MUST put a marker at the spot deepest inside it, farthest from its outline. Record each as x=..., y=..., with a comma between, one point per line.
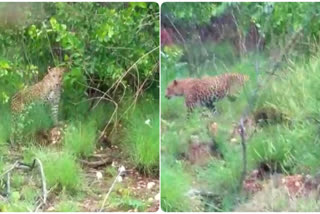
x=226, y=84
x=207, y=90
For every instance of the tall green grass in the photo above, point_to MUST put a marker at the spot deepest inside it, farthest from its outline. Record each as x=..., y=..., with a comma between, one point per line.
x=141, y=135
x=175, y=184
x=60, y=167
x=80, y=138
x=5, y=124
x=295, y=144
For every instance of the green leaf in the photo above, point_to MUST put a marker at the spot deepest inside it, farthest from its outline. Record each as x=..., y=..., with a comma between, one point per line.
x=138, y=4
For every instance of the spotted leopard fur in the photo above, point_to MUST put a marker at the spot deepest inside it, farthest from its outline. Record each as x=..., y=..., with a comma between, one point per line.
x=48, y=90
x=207, y=90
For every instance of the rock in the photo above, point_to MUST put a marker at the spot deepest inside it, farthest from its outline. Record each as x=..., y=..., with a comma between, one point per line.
x=99, y=175
x=201, y=153
x=157, y=197
x=147, y=122
x=120, y=179
x=233, y=140
x=150, y=185
x=213, y=129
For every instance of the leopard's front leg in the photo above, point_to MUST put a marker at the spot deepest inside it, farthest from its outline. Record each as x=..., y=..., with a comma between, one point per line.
x=190, y=102
x=54, y=100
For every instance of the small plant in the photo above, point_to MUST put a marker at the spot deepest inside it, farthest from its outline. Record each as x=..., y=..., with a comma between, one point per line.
x=67, y=206
x=111, y=171
x=127, y=202
x=80, y=138
x=29, y=194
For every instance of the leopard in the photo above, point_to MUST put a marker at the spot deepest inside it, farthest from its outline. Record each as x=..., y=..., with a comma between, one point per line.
x=48, y=91
x=206, y=91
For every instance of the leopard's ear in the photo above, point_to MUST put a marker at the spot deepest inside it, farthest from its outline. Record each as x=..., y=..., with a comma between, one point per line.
x=175, y=82
x=49, y=68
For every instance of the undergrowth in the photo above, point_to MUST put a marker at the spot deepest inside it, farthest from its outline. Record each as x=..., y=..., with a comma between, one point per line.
x=61, y=168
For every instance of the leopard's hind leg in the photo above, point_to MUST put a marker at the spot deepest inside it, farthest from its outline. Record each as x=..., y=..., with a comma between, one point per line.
x=212, y=107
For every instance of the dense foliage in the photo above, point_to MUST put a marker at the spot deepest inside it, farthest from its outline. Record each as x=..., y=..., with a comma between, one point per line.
x=100, y=43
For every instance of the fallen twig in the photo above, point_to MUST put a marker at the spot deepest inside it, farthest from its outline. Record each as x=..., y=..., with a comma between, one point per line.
x=43, y=179
x=96, y=164
x=20, y=165
x=116, y=83
x=10, y=169
x=244, y=153
x=8, y=184
x=121, y=170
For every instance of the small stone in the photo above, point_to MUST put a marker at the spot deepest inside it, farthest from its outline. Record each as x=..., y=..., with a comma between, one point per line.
x=50, y=209
x=99, y=175
x=150, y=199
x=122, y=169
x=233, y=140
x=150, y=185
x=147, y=122
x=157, y=197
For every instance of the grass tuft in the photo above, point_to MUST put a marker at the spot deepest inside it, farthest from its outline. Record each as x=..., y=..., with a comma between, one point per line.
x=61, y=168
x=142, y=136
x=175, y=184
x=80, y=138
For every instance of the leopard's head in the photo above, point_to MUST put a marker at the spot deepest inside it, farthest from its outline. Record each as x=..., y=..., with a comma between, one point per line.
x=174, y=89
x=56, y=74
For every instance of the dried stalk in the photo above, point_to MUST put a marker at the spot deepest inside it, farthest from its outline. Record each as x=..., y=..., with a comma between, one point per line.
x=121, y=170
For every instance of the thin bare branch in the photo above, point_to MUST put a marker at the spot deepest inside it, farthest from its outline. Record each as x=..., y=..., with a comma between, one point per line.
x=116, y=83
